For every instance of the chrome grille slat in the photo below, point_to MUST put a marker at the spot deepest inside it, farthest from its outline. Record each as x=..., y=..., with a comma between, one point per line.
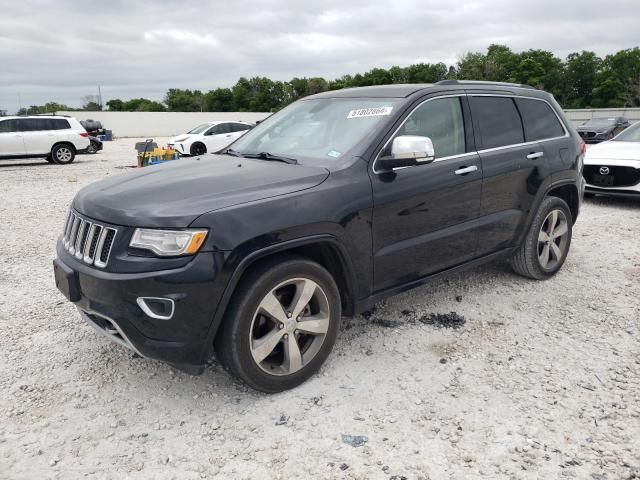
x=88, y=241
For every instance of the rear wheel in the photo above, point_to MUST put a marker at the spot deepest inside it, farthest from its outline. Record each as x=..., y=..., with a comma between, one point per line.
x=198, y=148
x=281, y=324
x=63, y=154
x=93, y=147
x=547, y=243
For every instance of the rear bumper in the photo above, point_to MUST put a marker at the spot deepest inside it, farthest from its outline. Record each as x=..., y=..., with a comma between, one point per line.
x=109, y=303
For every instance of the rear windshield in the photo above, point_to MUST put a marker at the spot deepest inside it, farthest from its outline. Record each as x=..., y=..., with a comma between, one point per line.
x=631, y=134
x=320, y=130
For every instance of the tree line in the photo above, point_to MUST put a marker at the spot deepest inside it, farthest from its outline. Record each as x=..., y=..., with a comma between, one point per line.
x=582, y=80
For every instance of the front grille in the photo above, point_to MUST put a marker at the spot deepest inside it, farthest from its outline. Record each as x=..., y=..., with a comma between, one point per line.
x=587, y=134
x=622, y=176
x=88, y=241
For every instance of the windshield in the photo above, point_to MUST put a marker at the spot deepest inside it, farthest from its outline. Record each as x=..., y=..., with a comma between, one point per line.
x=320, y=130
x=601, y=121
x=631, y=134
x=200, y=128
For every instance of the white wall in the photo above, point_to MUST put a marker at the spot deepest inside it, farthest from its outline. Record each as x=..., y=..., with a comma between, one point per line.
x=578, y=117
x=159, y=124
x=167, y=124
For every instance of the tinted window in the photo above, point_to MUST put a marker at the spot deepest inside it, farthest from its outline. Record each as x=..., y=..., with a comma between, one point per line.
x=239, y=127
x=218, y=129
x=7, y=126
x=441, y=120
x=59, y=124
x=498, y=120
x=539, y=120
x=27, y=124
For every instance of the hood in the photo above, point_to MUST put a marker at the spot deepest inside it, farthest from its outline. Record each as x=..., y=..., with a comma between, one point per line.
x=614, y=150
x=183, y=137
x=594, y=128
x=174, y=194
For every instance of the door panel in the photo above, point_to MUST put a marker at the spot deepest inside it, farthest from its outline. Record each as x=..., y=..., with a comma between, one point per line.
x=11, y=139
x=511, y=182
x=425, y=219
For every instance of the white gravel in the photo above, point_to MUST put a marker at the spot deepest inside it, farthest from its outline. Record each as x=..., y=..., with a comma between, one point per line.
x=542, y=381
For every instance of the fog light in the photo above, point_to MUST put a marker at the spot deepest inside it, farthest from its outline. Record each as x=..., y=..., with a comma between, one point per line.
x=156, y=307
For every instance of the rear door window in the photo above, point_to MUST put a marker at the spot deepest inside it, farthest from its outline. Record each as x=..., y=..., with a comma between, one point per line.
x=59, y=124
x=498, y=121
x=540, y=122
x=27, y=124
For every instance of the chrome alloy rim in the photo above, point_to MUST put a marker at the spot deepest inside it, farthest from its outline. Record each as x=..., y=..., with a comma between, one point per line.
x=63, y=154
x=289, y=326
x=553, y=239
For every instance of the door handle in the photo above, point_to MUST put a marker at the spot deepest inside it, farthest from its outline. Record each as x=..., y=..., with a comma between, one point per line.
x=465, y=170
x=535, y=155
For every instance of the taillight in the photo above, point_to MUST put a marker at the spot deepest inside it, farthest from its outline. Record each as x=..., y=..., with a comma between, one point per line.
x=84, y=134
x=583, y=148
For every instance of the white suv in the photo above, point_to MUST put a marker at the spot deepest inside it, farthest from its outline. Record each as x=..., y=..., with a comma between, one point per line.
x=209, y=137
x=58, y=138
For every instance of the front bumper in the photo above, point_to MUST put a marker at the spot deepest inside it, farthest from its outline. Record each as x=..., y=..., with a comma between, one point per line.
x=594, y=137
x=109, y=302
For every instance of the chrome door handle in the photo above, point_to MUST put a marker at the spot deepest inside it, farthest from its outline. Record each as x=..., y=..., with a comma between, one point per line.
x=465, y=170
x=535, y=155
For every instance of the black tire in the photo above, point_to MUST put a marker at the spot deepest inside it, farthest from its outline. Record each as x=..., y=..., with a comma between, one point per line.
x=63, y=154
x=526, y=261
x=197, y=149
x=236, y=340
x=93, y=147
x=49, y=159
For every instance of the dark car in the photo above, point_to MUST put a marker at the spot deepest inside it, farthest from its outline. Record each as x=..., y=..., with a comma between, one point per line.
x=95, y=145
x=600, y=129
x=323, y=209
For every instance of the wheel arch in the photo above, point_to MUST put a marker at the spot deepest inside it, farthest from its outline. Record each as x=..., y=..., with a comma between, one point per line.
x=323, y=249
x=569, y=193
x=64, y=142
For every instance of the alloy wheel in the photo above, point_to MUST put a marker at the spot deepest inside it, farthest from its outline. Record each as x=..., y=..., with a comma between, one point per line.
x=553, y=239
x=64, y=154
x=289, y=326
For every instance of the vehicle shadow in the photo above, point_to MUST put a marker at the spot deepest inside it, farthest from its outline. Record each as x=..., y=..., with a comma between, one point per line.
x=618, y=202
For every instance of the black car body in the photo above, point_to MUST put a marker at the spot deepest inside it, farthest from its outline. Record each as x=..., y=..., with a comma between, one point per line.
x=602, y=128
x=376, y=230
x=95, y=145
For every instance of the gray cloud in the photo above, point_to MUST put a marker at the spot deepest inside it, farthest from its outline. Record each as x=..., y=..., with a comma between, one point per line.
x=62, y=50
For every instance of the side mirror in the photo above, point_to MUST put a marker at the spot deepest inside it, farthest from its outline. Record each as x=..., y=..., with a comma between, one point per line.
x=408, y=150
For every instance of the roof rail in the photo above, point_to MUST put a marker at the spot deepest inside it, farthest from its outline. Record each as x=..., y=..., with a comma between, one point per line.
x=54, y=114
x=483, y=82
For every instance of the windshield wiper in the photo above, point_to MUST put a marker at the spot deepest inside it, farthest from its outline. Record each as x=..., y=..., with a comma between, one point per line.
x=232, y=152
x=270, y=157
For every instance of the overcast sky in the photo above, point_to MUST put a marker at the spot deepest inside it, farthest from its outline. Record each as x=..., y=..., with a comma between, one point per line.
x=61, y=50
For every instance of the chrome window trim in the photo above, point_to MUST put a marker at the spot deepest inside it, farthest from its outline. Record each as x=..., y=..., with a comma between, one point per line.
x=377, y=172
x=475, y=152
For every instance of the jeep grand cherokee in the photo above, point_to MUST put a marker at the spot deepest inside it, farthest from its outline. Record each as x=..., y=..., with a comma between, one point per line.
x=326, y=207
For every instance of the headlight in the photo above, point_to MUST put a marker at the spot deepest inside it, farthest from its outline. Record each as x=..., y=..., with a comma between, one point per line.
x=168, y=243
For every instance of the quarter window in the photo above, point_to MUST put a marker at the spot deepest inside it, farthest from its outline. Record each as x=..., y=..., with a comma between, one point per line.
x=441, y=120
x=539, y=120
x=498, y=120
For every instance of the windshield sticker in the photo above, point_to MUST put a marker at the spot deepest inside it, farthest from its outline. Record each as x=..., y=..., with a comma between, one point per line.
x=370, y=112
x=334, y=154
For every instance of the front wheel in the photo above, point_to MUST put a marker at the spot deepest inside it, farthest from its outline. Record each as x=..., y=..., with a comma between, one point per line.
x=547, y=243
x=63, y=154
x=280, y=325
x=197, y=149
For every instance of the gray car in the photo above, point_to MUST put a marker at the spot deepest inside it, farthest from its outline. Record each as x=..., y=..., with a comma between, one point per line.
x=600, y=129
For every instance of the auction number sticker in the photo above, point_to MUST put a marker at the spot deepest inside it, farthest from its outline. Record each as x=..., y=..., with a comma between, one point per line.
x=370, y=112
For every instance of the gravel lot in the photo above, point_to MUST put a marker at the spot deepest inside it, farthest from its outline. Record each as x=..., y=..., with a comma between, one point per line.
x=541, y=380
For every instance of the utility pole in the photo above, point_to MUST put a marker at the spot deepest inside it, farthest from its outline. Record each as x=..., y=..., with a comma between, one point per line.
x=100, y=97
x=19, y=103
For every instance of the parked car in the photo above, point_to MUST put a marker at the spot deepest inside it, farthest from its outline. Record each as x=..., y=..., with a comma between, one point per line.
x=601, y=129
x=209, y=137
x=325, y=208
x=95, y=145
x=613, y=168
x=57, y=138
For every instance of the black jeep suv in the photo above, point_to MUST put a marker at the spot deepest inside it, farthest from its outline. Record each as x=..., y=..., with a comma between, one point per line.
x=326, y=207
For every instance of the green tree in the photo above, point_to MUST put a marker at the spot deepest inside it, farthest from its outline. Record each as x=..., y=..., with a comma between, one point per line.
x=618, y=84
x=581, y=74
